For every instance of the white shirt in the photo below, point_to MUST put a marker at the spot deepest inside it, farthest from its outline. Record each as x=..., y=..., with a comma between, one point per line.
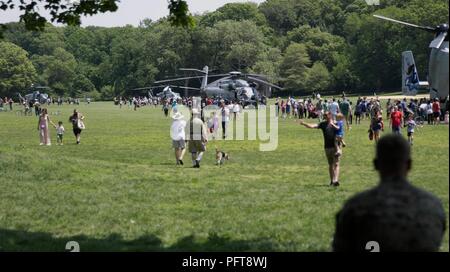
x=334, y=108
x=236, y=108
x=429, y=109
x=60, y=130
x=177, y=130
x=225, y=112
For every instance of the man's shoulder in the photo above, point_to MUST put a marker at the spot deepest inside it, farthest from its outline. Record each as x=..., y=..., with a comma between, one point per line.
x=404, y=194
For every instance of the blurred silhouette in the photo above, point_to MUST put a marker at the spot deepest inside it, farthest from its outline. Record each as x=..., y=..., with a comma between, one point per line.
x=395, y=215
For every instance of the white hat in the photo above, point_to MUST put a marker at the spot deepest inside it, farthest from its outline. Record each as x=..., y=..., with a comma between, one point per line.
x=177, y=116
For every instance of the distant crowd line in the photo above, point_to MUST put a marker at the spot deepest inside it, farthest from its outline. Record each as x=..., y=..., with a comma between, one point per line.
x=27, y=107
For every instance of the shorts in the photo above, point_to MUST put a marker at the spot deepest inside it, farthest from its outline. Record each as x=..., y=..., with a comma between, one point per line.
x=436, y=114
x=196, y=146
x=396, y=130
x=179, y=144
x=376, y=128
x=410, y=133
x=60, y=137
x=76, y=131
x=331, y=156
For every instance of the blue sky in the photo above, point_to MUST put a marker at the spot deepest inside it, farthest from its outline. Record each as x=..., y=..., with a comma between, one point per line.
x=134, y=11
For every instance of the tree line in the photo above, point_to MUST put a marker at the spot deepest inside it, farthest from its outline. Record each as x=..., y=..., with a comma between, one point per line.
x=303, y=45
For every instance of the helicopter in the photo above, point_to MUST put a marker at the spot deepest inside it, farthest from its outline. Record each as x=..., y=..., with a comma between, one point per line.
x=437, y=65
x=166, y=93
x=234, y=86
x=35, y=95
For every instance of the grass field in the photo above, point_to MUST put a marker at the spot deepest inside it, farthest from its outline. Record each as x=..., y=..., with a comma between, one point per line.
x=120, y=191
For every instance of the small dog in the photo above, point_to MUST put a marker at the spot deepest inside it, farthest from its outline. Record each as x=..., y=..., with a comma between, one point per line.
x=221, y=157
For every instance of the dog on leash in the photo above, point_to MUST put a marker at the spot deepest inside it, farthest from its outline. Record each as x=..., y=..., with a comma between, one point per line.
x=221, y=157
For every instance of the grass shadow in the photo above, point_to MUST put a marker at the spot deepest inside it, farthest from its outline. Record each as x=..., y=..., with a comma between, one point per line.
x=25, y=241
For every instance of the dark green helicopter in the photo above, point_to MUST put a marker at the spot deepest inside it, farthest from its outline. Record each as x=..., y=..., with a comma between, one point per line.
x=234, y=86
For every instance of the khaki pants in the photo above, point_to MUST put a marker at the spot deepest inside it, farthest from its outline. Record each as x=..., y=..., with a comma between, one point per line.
x=333, y=163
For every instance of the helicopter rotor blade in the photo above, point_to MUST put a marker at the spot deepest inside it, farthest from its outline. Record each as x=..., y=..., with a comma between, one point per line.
x=177, y=79
x=265, y=83
x=192, y=70
x=183, y=87
x=255, y=75
x=427, y=28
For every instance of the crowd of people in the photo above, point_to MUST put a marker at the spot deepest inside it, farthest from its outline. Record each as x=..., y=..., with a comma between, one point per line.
x=335, y=115
x=6, y=103
x=201, y=127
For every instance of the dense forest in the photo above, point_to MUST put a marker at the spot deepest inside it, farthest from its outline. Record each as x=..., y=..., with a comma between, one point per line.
x=303, y=45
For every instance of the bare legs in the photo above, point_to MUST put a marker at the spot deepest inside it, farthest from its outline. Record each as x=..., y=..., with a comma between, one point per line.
x=179, y=154
x=333, y=170
x=44, y=137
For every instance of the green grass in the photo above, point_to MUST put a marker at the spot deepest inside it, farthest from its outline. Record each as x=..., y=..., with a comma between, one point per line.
x=120, y=191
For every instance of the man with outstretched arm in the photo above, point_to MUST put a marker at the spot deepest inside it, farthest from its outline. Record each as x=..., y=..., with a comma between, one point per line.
x=329, y=129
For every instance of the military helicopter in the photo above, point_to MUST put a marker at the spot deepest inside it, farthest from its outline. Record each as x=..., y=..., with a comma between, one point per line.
x=166, y=93
x=35, y=95
x=233, y=86
x=437, y=66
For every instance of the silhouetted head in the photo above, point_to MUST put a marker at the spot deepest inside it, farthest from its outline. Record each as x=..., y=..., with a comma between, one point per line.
x=393, y=157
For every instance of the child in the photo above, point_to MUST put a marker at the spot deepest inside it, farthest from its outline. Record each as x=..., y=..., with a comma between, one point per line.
x=339, y=133
x=376, y=124
x=213, y=124
x=60, y=133
x=166, y=109
x=411, y=125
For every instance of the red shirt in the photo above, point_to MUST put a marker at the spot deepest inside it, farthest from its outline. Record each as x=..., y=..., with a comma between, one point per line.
x=436, y=107
x=396, y=118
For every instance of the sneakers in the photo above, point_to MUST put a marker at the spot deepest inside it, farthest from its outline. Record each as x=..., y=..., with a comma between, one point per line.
x=335, y=184
x=197, y=164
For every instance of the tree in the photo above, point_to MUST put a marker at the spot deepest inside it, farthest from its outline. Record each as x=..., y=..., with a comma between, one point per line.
x=321, y=46
x=318, y=78
x=280, y=14
x=268, y=64
x=234, y=36
x=57, y=70
x=70, y=13
x=16, y=70
x=343, y=74
x=294, y=67
x=235, y=12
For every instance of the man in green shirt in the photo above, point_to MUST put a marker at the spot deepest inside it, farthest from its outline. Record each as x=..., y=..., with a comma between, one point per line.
x=344, y=107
